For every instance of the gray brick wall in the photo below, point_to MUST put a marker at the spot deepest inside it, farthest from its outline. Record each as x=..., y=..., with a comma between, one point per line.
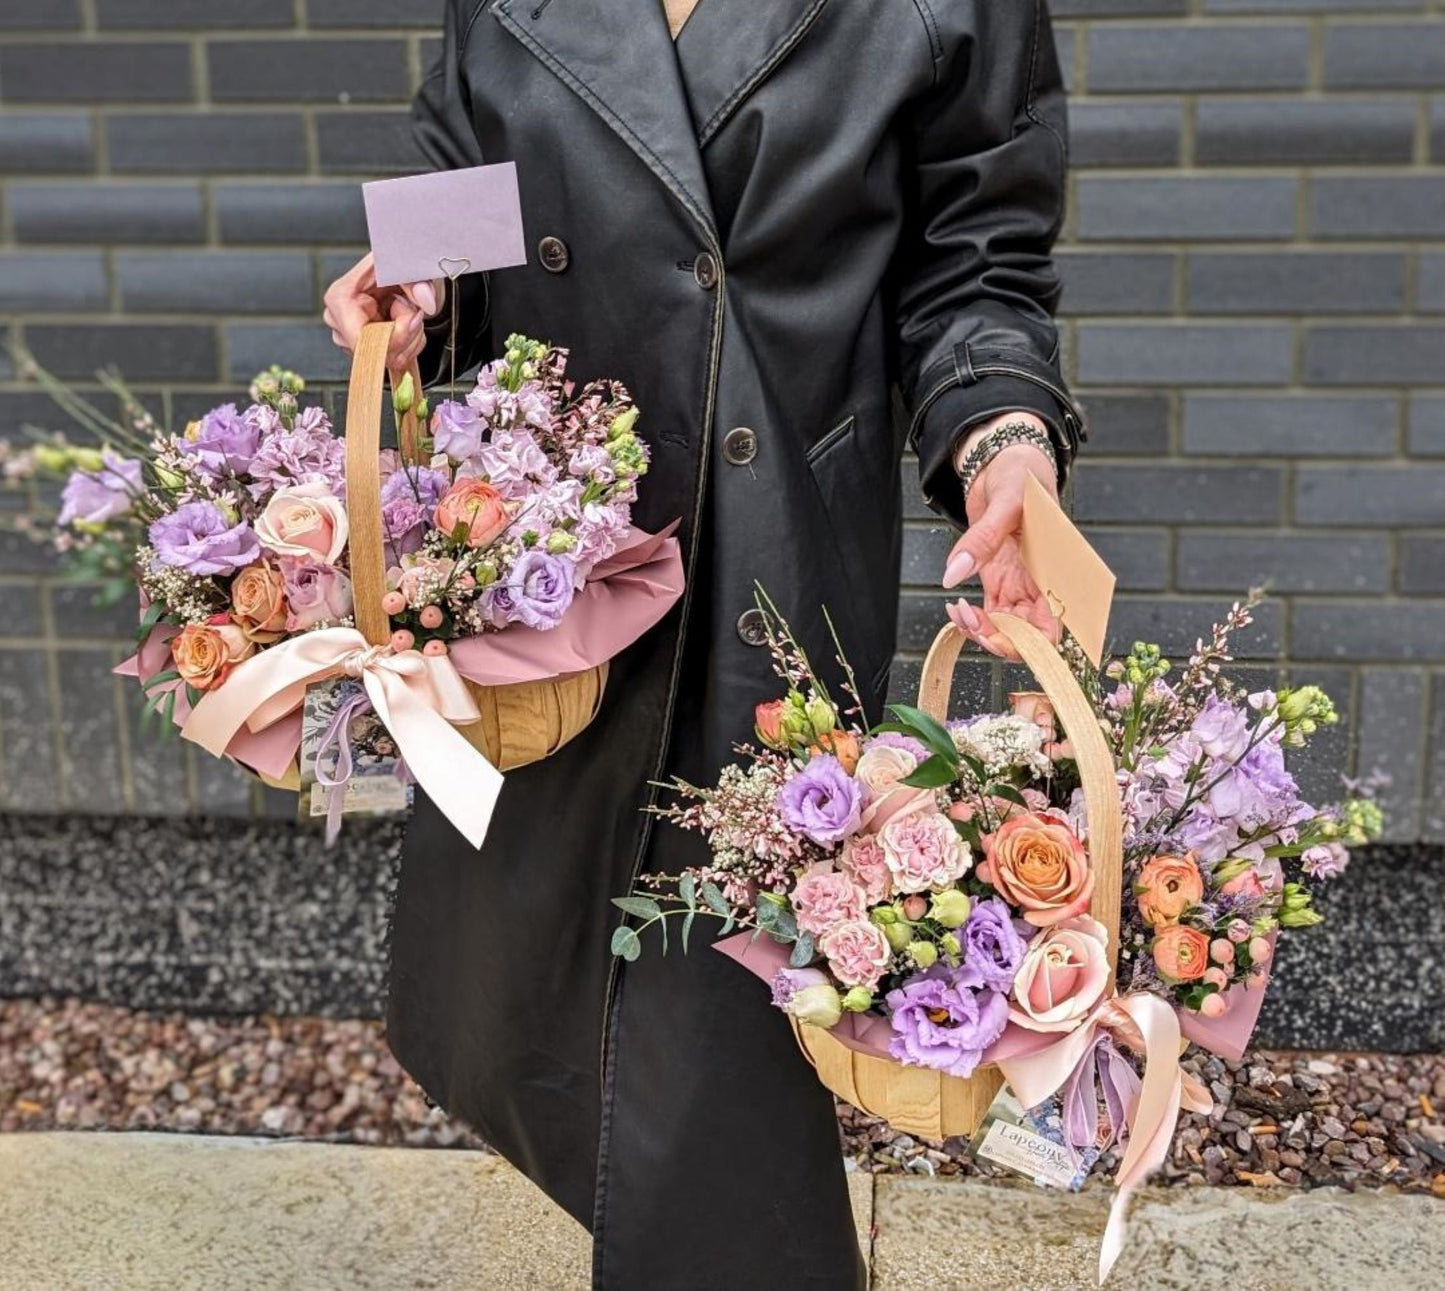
x=1255, y=283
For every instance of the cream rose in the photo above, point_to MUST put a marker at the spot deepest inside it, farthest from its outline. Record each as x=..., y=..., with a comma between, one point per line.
x=879, y=770
x=304, y=520
x=1064, y=973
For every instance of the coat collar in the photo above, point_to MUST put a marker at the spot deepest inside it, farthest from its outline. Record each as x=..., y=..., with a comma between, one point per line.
x=618, y=57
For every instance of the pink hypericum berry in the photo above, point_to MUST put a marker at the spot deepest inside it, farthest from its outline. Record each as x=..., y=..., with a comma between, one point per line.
x=434, y=648
x=431, y=616
x=402, y=640
x=393, y=603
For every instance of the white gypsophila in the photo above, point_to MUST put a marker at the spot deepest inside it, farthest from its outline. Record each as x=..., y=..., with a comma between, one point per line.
x=188, y=597
x=1003, y=741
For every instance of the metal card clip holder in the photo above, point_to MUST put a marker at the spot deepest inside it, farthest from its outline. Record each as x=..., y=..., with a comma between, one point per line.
x=462, y=265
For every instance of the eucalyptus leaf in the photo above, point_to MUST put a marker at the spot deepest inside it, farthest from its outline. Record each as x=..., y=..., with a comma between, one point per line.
x=642, y=907
x=687, y=928
x=626, y=943
x=715, y=900
x=802, y=954
x=687, y=890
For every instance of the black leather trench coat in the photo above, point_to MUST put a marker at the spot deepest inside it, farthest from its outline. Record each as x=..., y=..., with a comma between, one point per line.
x=766, y=231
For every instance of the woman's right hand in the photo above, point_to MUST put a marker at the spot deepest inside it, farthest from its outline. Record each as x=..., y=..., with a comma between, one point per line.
x=354, y=300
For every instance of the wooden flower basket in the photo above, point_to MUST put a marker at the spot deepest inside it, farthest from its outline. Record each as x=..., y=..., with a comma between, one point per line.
x=521, y=723
x=918, y=1100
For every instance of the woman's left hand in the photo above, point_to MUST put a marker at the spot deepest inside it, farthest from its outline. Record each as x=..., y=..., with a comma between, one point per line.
x=990, y=545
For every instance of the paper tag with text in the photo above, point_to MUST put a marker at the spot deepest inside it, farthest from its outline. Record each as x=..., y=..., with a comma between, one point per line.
x=340, y=730
x=444, y=224
x=1030, y=1142
x=1079, y=586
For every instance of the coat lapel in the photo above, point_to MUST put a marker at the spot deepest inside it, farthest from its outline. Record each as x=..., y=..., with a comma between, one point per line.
x=730, y=47
x=617, y=55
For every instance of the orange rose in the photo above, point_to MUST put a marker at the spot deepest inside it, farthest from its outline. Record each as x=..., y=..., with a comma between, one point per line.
x=205, y=653
x=478, y=507
x=258, y=602
x=1038, y=864
x=843, y=745
x=1167, y=887
x=1181, y=953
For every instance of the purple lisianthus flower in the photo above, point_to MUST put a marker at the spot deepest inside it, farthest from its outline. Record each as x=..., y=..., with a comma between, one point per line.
x=93, y=497
x=225, y=442
x=537, y=591
x=201, y=539
x=821, y=802
x=941, y=1021
x=307, y=453
x=408, y=498
x=457, y=430
x=992, y=947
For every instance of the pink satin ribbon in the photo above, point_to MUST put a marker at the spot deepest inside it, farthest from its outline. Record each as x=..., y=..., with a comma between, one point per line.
x=1148, y=1025
x=418, y=698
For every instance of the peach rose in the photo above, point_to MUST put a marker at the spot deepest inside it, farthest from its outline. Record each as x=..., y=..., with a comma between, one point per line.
x=478, y=507
x=1167, y=887
x=1064, y=973
x=304, y=520
x=843, y=745
x=1181, y=953
x=205, y=653
x=768, y=723
x=1038, y=864
x=258, y=602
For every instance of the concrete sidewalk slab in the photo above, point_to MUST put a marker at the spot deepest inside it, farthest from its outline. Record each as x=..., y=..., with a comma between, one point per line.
x=133, y=1212
x=956, y=1235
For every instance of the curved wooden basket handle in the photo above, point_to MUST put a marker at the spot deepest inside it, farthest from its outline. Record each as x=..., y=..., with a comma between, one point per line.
x=363, y=474
x=1091, y=750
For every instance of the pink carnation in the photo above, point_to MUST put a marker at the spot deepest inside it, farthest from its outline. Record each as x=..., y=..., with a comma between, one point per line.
x=857, y=952
x=923, y=851
x=824, y=898
x=865, y=861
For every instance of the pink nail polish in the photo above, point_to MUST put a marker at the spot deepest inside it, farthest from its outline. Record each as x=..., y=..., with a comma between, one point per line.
x=424, y=296
x=963, y=614
x=960, y=566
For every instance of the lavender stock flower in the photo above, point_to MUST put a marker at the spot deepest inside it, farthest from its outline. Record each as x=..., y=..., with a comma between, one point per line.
x=200, y=538
x=822, y=802
x=457, y=430
x=307, y=453
x=224, y=442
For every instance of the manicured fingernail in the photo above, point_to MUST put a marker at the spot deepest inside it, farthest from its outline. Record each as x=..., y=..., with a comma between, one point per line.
x=960, y=565
x=964, y=616
x=424, y=296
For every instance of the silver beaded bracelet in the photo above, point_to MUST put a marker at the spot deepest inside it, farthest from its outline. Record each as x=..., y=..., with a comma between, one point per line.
x=1000, y=438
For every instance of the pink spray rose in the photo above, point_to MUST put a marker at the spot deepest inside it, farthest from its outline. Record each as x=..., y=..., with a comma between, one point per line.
x=316, y=593
x=824, y=898
x=1063, y=975
x=924, y=851
x=857, y=952
x=304, y=520
x=865, y=861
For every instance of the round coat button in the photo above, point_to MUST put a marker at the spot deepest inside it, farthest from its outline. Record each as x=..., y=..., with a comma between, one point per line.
x=704, y=269
x=553, y=254
x=740, y=446
x=752, y=627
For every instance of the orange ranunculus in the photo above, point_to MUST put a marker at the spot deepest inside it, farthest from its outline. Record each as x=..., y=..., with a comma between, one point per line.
x=843, y=745
x=1181, y=953
x=205, y=653
x=1167, y=887
x=1038, y=864
x=258, y=602
x=478, y=507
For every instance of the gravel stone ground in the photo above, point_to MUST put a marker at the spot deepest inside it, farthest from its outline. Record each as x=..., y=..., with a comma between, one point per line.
x=1281, y=1119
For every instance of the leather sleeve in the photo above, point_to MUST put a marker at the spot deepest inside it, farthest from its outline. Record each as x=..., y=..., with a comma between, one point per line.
x=442, y=125
x=976, y=288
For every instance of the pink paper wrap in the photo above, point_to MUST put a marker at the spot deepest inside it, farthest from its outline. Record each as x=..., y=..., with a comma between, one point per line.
x=625, y=595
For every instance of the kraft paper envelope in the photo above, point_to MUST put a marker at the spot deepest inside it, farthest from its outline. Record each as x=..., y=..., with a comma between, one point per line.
x=1067, y=570
x=448, y=223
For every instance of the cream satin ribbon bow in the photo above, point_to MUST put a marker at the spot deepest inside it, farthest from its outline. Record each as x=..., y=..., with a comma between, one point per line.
x=418, y=697
x=1148, y=1025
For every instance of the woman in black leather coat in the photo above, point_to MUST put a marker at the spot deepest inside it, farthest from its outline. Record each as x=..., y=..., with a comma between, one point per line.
x=765, y=231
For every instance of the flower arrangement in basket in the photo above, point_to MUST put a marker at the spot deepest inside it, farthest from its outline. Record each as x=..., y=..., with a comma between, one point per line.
x=491, y=556
x=1052, y=897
